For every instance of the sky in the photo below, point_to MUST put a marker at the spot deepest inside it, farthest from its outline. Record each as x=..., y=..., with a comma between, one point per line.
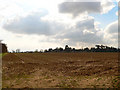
x=43, y=24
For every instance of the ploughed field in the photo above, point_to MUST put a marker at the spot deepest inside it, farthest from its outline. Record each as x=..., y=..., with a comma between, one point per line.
x=60, y=70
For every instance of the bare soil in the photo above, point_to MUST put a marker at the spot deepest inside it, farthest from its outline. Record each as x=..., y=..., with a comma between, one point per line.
x=60, y=70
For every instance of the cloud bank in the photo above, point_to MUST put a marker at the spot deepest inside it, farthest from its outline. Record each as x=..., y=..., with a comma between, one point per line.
x=75, y=8
x=33, y=24
x=72, y=33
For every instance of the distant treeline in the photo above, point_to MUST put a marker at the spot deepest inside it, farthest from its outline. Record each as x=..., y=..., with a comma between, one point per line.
x=97, y=48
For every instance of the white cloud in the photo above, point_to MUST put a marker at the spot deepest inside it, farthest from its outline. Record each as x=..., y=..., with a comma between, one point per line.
x=107, y=6
x=83, y=32
x=75, y=8
x=111, y=33
x=34, y=24
x=86, y=24
x=116, y=13
x=112, y=27
x=9, y=9
x=117, y=0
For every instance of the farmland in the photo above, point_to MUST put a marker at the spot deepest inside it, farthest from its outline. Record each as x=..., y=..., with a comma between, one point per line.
x=60, y=70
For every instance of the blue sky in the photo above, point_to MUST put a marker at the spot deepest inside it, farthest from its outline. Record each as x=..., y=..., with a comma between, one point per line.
x=107, y=18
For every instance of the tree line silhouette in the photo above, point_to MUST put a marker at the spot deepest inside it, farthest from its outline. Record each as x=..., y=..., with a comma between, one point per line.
x=97, y=48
